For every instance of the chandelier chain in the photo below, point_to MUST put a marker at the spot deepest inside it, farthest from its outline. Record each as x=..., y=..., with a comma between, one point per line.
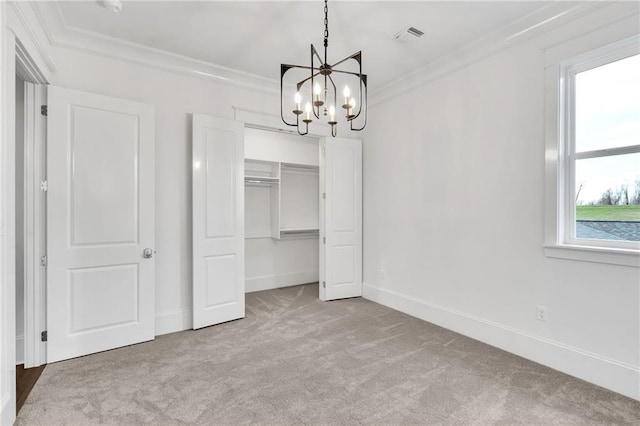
x=326, y=24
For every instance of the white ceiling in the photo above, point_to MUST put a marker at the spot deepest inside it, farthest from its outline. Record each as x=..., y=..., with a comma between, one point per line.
x=255, y=37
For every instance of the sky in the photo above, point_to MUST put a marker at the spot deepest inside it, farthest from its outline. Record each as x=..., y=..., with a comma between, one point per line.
x=608, y=116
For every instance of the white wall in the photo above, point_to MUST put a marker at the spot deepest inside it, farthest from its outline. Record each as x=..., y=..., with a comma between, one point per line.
x=272, y=263
x=453, y=215
x=175, y=97
x=19, y=220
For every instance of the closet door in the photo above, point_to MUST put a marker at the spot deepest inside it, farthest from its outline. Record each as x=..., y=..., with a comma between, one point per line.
x=218, y=220
x=340, y=218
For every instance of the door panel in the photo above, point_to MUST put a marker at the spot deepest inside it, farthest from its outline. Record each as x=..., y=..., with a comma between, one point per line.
x=103, y=142
x=218, y=220
x=341, y=218
x=100, y=218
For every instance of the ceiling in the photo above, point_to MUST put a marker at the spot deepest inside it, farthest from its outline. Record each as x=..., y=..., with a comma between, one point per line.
x=255, y=37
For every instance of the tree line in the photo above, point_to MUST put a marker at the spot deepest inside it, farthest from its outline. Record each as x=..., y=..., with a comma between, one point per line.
x=621, y=196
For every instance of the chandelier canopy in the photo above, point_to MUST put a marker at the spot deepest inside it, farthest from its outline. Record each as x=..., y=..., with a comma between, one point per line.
x=320, y=86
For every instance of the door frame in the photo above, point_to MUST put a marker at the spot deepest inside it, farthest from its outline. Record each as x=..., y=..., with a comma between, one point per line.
x=34, y=212
x=18, y=49
x=35, y=227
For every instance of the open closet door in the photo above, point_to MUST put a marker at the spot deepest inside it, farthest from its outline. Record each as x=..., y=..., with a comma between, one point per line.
x=340, y=218
x=218, y=220
x=100, y=223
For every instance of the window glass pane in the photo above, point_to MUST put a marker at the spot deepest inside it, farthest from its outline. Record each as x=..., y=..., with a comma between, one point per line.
x=608, y=105
x=608, y=198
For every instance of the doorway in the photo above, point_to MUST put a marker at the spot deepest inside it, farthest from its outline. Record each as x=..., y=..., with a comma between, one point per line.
x=281, y=192
x=29, y=222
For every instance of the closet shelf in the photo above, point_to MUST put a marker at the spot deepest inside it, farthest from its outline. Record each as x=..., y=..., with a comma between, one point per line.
x=261, y=180
x=286, y=232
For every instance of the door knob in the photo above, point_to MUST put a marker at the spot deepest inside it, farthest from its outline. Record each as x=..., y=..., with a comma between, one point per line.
x=147, y=253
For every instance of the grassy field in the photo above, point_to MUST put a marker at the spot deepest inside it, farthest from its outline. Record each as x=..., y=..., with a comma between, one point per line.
x=629, y=213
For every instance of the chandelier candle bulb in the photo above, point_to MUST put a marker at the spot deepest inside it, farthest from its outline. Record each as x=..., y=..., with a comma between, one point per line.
x=308, y=110
x=332, y=113
x=297, y=98
x=317, y=90
x=346, y=94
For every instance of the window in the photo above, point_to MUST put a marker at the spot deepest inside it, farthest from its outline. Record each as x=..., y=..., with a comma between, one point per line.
x=595, y=147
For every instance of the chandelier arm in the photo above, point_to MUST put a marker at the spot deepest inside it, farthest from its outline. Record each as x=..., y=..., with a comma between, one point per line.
x=356, y=56
x=304, y=67
x=283, y=70
x=298, y=126
x=301, y=82
x=349, y=72
x=313, y=51
x=363, y=83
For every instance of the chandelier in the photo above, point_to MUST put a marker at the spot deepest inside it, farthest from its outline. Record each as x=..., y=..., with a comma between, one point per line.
x=320, y=87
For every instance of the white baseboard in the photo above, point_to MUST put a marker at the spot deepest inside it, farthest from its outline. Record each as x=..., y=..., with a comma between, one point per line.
x=19, y=350
x=614, y=375
x=173, y=321
x=269, y=282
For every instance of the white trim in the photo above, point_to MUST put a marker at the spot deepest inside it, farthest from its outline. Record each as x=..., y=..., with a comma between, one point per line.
x=7, y=222
x=560, y=241
x=603, y=371
x=35, y=226
x=264, y=121
x=268, y=282
x=598, y=153
x=173, y=322
x=544, y=19
x=63, y=35
x=20, y=350
x=613, y=256
x=30, y=32
x=540, y=21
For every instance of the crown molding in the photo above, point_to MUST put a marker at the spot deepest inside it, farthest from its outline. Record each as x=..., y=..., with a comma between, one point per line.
x=60, y=34
x=536, y=23
x=542, y=20
x=28, y=35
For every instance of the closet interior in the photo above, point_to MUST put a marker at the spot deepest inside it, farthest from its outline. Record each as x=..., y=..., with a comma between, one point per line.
x=281, y=209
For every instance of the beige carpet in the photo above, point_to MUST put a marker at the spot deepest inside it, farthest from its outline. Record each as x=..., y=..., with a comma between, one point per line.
x=296, y=360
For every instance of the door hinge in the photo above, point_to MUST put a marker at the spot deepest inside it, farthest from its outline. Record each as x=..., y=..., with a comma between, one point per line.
x=43, y=336
x=44, y=110
x=44, y=185
x=43, y=260
x=324, y=195
x=324, y=284
x=324, y=240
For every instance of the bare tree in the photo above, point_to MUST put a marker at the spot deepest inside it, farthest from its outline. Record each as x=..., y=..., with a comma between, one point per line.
x=624, y=194
x=635, y=195
x=616, y=196
x=606, y=199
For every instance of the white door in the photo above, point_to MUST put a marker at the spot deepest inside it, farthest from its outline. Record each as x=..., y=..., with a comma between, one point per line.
x=340, y=218
x=218, y=220
x=100, y=223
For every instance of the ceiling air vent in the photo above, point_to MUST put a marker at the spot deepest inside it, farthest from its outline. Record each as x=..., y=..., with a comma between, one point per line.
x=408, y=35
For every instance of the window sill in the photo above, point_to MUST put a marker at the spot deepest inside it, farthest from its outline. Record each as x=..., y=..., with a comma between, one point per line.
x=613, y=256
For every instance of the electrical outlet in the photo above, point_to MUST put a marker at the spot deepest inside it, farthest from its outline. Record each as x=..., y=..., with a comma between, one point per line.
x=542, y=313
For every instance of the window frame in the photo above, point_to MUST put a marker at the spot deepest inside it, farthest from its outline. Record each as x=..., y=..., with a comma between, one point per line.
x=560, y=159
